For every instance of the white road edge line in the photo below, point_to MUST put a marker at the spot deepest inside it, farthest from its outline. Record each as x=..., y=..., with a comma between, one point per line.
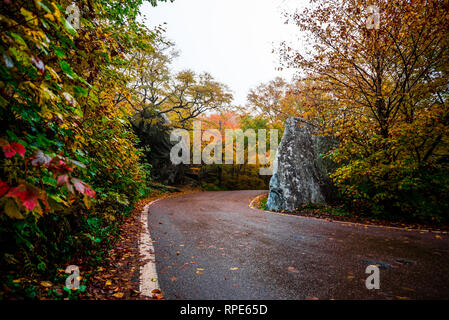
x=148, y=274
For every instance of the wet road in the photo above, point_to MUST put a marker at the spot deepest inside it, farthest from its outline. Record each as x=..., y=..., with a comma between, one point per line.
x=211, y=245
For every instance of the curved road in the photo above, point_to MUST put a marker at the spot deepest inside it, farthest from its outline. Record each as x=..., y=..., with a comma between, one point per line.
x=211, y=245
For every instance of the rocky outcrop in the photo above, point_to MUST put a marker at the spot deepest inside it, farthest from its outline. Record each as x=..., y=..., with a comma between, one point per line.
x=300, y=173
x=154, y=131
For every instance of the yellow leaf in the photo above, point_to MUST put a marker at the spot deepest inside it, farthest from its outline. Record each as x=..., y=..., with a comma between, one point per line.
x=86, y=201
x=12, y=210
x=118, y=295
x=46, y=284
x=38, y=209
x=108, y=283
x=29, y=16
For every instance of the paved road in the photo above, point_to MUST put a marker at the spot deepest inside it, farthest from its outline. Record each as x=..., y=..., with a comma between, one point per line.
x=203, y=238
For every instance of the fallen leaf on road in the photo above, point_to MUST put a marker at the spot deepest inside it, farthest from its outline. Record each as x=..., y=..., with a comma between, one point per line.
x=173, y=279
x=46, y=284
x=108, y=283
x=118, y=295
x=156, y=291
x=292, y=269
x=134, y=293
x=234, y=269
x=351, y=277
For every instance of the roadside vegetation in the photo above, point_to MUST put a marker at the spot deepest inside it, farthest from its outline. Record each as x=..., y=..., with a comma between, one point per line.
x=70, y=167
x=383, y=93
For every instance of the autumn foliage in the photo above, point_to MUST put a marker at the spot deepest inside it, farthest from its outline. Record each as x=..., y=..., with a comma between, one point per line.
x=383, y=92
x=69, y=166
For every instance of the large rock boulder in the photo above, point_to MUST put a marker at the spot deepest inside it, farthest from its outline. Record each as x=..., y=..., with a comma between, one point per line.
x=154, y=130
x=300, y=173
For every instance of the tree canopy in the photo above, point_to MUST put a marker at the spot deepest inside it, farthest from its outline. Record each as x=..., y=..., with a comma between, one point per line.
x=384, y=95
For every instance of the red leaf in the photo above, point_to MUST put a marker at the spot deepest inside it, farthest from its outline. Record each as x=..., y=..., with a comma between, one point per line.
x=3, y=188
x=27, y=197
x=83, y=188
x=63, y=179
x=90, y=192
x=10, y=149
x=58, y=165
x=79, y=185
x=17, y=147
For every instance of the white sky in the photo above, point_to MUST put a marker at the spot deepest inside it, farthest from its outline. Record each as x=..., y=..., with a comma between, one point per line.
x=231, y=39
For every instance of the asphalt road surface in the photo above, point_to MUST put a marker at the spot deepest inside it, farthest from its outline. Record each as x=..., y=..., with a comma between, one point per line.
x=211, y=245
